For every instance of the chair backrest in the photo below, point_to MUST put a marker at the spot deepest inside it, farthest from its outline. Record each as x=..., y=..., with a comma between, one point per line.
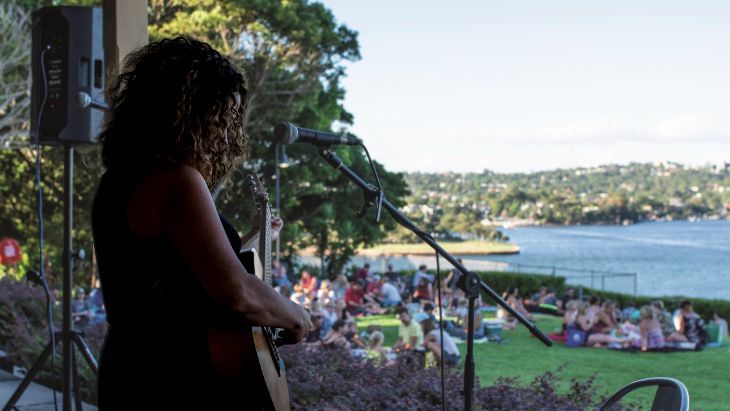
x=671, y=394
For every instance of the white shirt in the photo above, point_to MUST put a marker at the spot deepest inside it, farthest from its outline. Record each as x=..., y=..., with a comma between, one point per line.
x=389, y=292
x=449, y=344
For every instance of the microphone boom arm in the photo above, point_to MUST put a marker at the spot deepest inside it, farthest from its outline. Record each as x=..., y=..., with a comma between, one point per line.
x=469, y=282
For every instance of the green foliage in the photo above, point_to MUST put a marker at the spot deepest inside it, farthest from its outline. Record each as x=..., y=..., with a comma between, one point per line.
x=611, y=194
x=293, y=54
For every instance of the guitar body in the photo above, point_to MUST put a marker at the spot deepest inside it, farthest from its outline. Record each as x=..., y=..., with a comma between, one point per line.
x=239, y=350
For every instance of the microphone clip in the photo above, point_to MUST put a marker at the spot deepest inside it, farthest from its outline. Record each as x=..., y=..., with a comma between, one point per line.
x=372, y=197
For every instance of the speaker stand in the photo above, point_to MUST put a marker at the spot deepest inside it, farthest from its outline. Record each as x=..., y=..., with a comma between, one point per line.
x=69, y=336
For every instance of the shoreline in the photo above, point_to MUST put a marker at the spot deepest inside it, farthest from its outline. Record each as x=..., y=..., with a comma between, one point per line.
x=462, y=248
x=532, y=223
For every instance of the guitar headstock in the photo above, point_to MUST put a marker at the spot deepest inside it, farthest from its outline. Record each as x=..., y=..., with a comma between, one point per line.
x=257, y=190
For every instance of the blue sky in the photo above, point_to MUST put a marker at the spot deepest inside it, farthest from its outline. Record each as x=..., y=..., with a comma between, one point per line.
x=534, y=85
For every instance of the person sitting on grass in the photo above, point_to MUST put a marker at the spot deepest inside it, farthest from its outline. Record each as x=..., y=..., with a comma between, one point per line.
x=315, y=333
x=336, y=337
x=410, y=334
x=567, y=297
x=691, y=324
x=423, y=291
x=665, y=321
x=352, y=336
x=432, y=343
x=594, y=329
x=325, y=294
x=81, y=310
x=512, y=297
x=460, y=329
x=413, y=307
x=375, y=349
x=340, y=286
x=594, y=306
x=571, y=314
x=354, y=298
x=652, y=336
x=721, y=322
x=389, y=295
x=300, y=297
x=607, y=318
x=309, y=284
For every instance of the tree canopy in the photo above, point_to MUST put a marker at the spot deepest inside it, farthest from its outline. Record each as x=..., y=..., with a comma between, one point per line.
x=293, y=53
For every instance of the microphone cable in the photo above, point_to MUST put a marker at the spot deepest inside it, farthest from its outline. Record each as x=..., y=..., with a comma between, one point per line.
x=49, y=304
x=441, y=329
x=379, y=206
x=438, y=273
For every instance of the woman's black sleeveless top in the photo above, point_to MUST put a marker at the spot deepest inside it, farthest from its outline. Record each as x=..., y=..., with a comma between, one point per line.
x=155, y=355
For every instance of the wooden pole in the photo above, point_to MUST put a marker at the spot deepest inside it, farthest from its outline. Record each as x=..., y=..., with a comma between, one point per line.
x=125, y=29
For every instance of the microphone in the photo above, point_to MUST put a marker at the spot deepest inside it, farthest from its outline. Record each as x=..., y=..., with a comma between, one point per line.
x=84, y=100
x=288, y=133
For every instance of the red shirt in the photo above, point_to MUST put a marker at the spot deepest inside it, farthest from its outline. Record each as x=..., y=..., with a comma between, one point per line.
x=361, y=274
x=308, y=286
x=374, y=287
x=354, y=296
x=423, y=291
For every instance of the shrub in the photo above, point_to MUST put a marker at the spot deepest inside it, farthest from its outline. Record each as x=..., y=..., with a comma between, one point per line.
x=500, y=281
x=24, y=335
x=324, y=379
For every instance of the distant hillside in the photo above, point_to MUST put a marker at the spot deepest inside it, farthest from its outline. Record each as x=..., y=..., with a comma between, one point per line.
x=460, y=204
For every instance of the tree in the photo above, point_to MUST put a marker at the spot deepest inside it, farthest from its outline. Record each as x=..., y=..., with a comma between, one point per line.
x=15, y=75
x=292, y=53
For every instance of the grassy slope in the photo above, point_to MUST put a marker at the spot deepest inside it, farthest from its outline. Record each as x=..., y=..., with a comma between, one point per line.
x=706, y=374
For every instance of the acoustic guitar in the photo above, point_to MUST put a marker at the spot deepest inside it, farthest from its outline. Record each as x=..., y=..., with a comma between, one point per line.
x=240, y=350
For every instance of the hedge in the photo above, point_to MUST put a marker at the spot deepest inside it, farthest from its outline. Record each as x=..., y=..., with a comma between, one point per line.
x=529, y=283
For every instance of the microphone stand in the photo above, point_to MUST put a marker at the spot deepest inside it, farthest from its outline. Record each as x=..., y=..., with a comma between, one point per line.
x=469, y=282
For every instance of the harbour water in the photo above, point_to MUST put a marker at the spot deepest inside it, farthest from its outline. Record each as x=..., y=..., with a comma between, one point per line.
x=669, y=258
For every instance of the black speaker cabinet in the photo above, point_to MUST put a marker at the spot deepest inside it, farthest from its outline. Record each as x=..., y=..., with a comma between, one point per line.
x=67, y=61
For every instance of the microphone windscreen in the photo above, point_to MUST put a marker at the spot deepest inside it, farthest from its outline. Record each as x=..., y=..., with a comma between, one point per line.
x=286, y=133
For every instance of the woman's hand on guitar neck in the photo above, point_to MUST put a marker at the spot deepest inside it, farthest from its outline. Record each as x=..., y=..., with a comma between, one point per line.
x=276, y=225
x=296, y=334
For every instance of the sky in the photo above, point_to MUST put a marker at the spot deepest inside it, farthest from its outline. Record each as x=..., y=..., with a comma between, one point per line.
x=519, y=86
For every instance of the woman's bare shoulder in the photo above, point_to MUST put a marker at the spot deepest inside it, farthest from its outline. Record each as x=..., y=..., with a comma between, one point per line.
x=154, y=193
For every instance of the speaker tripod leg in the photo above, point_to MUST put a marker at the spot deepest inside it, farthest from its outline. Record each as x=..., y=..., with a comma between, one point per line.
x=86, y=352
x=75, y=382
x=10, y=405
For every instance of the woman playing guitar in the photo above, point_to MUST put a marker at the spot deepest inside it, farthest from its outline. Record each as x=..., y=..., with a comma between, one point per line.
x=168, y=263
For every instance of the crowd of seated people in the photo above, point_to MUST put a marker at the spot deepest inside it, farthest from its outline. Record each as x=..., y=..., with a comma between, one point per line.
x=335, y=305
x=601, y=323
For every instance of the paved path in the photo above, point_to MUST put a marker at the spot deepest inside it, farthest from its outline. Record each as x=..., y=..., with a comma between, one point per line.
x=35, y=398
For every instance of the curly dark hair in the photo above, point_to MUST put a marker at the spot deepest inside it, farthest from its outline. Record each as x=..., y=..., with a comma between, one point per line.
x=176, y=102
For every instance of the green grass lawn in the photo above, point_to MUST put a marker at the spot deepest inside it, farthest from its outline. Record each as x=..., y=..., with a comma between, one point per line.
x=706, y=374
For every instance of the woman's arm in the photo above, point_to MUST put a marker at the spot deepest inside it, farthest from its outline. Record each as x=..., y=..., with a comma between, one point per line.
x=584, y=323
x=178, y=205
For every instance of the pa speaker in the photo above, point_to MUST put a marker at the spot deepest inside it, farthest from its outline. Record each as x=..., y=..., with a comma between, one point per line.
x=68, y=69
